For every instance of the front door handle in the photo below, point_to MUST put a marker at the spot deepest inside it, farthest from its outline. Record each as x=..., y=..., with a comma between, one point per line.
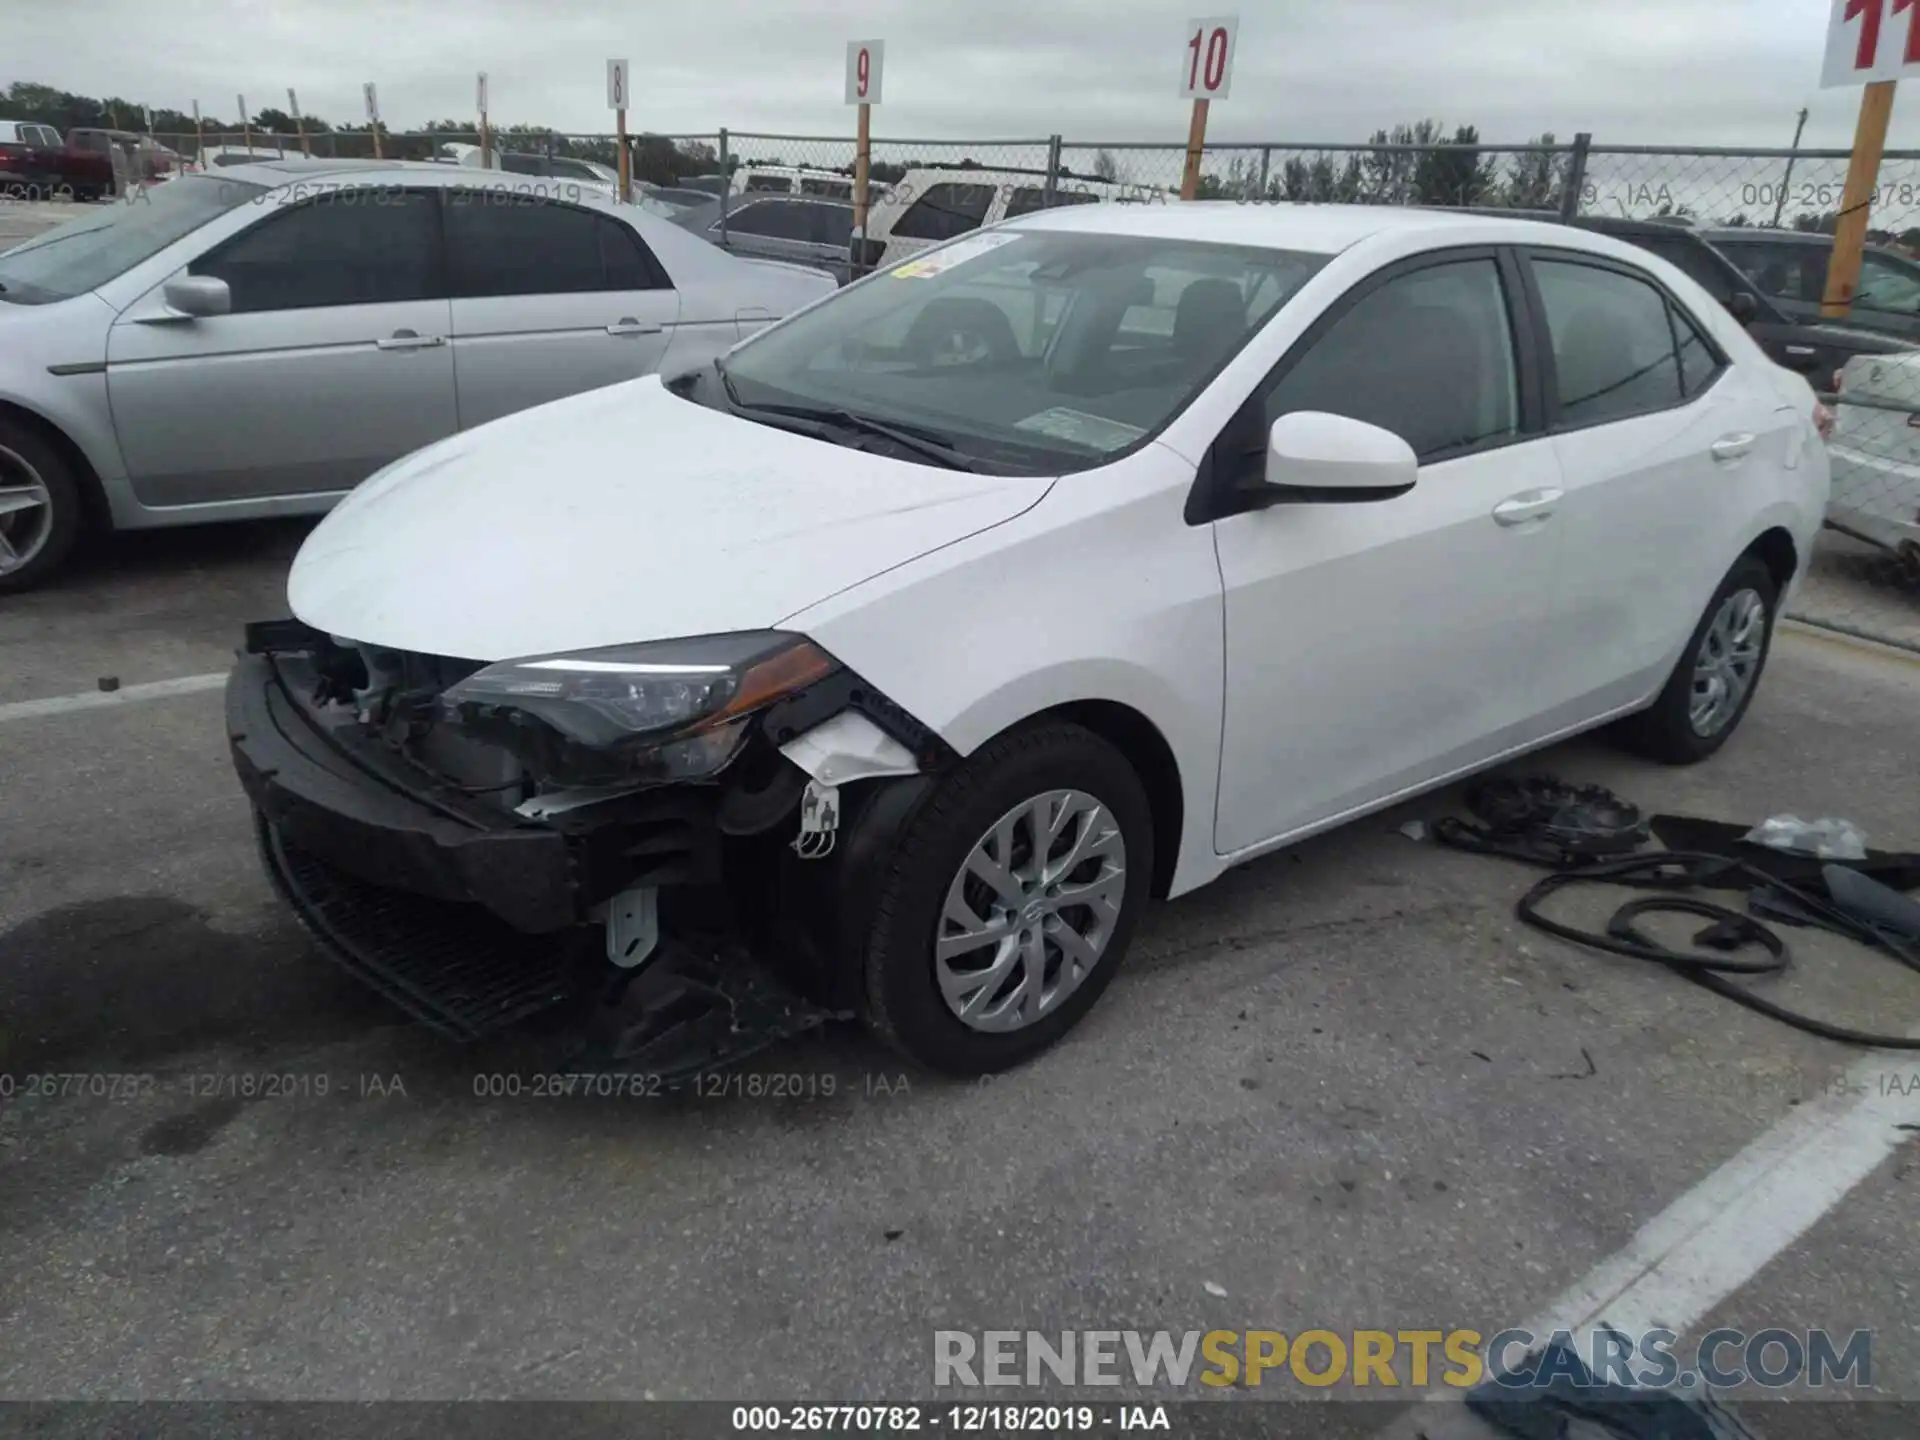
x=1732, y=447
x=409, y=340
x=627, y=325
x=1527, y=505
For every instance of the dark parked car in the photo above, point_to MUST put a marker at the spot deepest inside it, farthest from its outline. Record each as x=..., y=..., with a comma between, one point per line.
x=97, y=163
x=1802, y=341
x=796, y=228
x=1790, y=268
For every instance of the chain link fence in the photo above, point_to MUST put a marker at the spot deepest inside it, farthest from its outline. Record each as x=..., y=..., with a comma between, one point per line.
x=1864, y=578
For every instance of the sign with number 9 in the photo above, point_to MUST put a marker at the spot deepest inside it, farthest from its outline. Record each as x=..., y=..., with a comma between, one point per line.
x=863, y=71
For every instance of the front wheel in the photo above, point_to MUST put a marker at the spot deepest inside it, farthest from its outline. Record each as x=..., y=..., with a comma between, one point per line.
x=1717, y=674
x=39, y=508
x=1010, y=901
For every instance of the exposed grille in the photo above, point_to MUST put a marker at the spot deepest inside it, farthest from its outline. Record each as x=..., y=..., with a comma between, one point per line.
x=454, y=967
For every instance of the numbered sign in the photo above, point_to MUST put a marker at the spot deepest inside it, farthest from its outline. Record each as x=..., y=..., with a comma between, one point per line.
x=293, y=103
x=373, y=102
x=1871, y=40
x=863, y=71
x=243, y=108
x=616, y=84
x=146, y=117
x=480, y=93
x=1206, y=57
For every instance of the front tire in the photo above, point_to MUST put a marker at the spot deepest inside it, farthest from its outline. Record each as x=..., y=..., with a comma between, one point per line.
x=1717, y=674
x=40, y=508
x=1010, y=901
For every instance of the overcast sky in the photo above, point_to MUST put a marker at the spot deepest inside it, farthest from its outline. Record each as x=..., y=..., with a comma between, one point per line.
x=1678, y=71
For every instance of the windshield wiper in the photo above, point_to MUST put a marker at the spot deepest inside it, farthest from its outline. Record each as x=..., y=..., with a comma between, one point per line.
x=820, y=419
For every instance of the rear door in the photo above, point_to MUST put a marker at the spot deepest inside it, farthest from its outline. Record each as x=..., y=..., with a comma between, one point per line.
x=549, y=299
x=1658, y=438
x=333, y=361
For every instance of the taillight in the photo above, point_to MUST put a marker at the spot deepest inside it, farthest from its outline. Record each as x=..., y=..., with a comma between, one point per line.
x=1823, y=420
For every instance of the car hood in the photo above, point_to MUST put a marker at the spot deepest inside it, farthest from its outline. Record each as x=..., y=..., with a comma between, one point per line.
x=621, y=515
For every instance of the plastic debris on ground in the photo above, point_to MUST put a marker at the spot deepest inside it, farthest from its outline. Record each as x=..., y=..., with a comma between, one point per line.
x=1828, y=838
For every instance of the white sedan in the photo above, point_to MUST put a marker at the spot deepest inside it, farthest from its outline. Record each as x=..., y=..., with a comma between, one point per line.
x=258, y=339
x=1072, y=563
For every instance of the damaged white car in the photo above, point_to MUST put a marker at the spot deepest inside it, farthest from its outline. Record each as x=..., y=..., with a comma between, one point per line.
x=889, y=665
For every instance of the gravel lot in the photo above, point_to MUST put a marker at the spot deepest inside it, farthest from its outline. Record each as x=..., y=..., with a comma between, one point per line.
x=1341, y=1088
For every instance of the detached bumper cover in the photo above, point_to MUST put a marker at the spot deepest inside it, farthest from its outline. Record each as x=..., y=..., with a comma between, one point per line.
x=355, y=811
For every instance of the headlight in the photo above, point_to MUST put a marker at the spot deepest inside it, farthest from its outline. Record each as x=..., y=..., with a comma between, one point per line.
x=671, y=709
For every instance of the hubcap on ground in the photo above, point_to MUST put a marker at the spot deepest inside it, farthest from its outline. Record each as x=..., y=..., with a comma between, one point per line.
x=1729, y=657
x=1031, y=911
x=26, y=511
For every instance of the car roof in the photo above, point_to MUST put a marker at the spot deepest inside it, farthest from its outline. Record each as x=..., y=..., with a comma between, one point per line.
x=1758, y=232
x=1323, y=229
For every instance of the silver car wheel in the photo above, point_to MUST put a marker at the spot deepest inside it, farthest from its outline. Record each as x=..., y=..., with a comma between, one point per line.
x=1031, y=911
x=1729, y=658
x=26, y=511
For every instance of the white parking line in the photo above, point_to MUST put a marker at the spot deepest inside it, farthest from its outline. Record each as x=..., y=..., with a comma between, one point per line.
x=109, y=699
x=1715, y=1238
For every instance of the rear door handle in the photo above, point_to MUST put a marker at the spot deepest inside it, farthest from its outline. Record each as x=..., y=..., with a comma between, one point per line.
x=1527, y=505
x=627, y=325
x=409, y=340
x=1732, y=447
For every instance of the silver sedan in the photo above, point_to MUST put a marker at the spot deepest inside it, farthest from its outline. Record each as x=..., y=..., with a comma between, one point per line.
x=258, y=341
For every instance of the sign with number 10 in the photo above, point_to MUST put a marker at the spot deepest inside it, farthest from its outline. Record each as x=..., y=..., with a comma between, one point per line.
x=1206, y=60
x=1871, y=40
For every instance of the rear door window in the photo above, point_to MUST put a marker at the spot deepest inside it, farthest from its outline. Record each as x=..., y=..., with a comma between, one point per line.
x=1613, y=344
x=1025, y=199
x=769, y=185
x=946, y=210
x=775, y=219
x=501, y=244
x=832, y=189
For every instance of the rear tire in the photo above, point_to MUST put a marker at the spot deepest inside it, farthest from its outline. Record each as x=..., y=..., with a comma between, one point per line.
x=926, y=980
x=1717, y=674
x=37, y=537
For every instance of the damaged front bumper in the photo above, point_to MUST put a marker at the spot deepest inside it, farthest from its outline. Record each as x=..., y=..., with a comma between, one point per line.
x=473, y=903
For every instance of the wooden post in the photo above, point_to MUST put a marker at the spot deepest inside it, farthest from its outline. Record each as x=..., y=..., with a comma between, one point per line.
x=626, y=160
x=862, y=154
x=1196, y=146
x=199, y=137
x=1863, y=172
x=486, y=143
x=375, y=125
x=246, y=122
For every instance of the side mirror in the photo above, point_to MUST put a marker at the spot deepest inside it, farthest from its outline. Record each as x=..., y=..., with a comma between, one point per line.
x=1314, y=457
x=1743, y=307
x=198, y=295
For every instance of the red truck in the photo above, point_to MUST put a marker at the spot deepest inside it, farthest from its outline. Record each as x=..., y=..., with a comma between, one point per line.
x=90, y=164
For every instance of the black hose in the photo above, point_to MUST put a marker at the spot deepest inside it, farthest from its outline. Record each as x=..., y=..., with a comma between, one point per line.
x=1677, y=871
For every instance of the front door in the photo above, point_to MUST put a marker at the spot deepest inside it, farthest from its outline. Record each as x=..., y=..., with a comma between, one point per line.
x=1372, y=647
x=549, y=299
x=332, y=362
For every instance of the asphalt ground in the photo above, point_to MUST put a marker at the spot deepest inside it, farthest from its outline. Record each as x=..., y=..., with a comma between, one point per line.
x=1342, y=1088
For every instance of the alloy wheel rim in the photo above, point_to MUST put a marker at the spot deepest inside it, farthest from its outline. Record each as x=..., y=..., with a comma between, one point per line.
x=1727, y=662
x=26, y=511
x=1031, y=912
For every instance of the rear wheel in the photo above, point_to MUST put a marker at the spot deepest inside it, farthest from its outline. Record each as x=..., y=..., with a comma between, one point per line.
x=1717, y=674
x=39, y=508
x=1010, y=901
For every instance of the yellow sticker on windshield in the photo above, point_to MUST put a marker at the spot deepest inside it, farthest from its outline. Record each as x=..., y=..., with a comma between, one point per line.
x=922, y=267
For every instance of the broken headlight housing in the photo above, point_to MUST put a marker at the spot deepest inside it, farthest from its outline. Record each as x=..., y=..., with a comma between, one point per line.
x=661, y=711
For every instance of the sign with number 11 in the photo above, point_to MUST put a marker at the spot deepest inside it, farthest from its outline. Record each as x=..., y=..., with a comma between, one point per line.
x=1871, y=40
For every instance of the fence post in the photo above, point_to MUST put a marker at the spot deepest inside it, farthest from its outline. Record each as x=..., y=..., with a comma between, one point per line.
x=1053, y=172
x=550, y=144
x=1266, y=164
x=726, y=190
x=1576, y=175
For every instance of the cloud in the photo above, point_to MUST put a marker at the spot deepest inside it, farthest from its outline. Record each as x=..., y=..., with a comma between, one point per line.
x=1725, y=72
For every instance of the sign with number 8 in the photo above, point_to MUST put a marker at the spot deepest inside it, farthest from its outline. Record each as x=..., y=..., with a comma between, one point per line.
x=1206, y=58
x=863, y=71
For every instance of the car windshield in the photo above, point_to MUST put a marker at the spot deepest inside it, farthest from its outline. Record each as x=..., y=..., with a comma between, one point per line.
x=85, y=253
x=1026, y=351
